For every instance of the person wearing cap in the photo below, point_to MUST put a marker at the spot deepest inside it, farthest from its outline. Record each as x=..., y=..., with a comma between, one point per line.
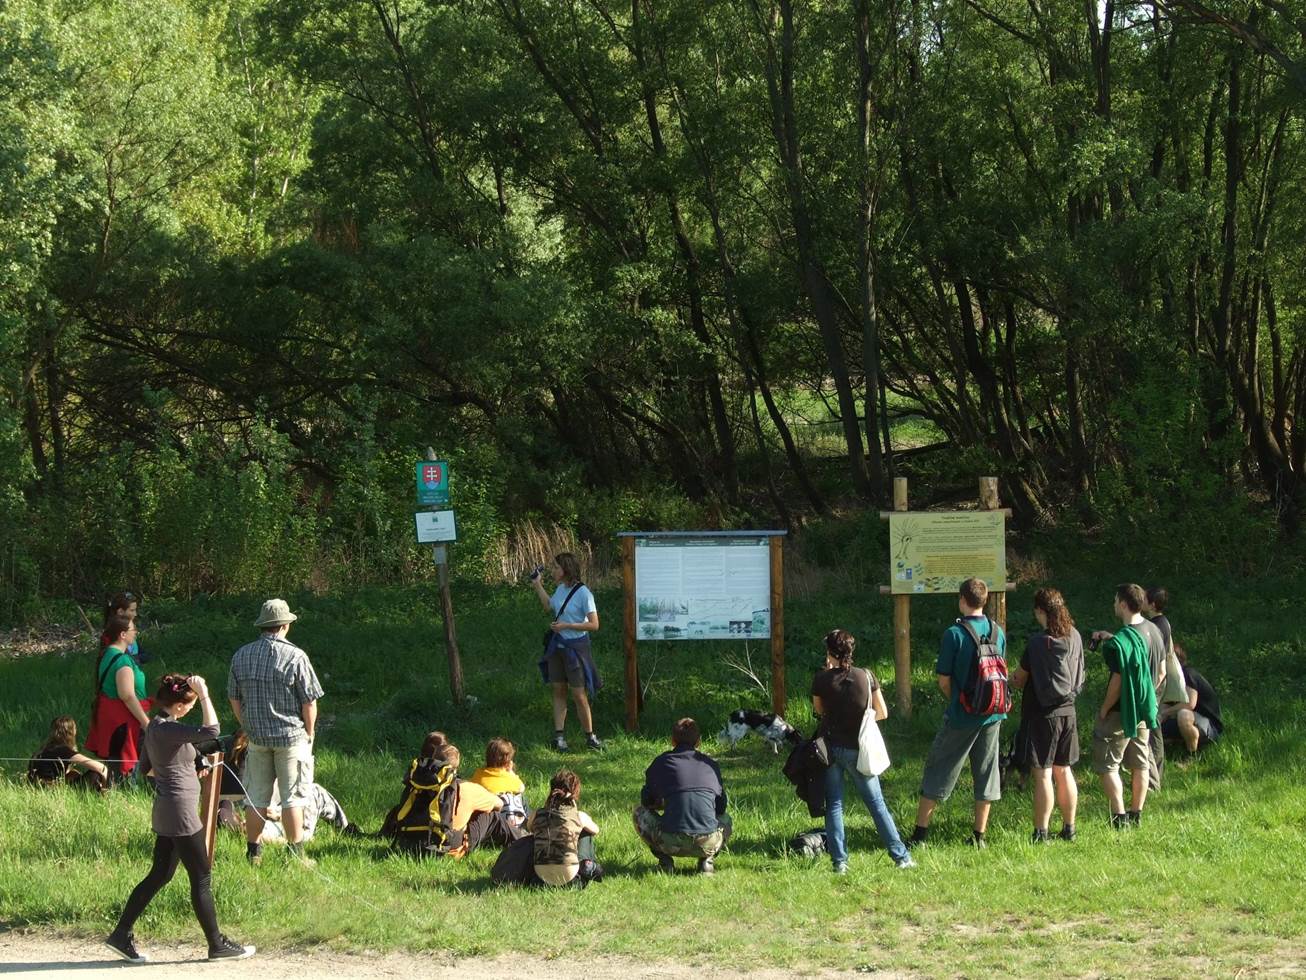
x=274, y=693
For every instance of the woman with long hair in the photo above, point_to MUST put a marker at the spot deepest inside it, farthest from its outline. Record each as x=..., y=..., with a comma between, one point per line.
x=568, y=662
x=1051, y=674
x=122, y=604
x=169, y=750
x=119, y=712
x=58, y=761
x=841, y=695
x=564, y=836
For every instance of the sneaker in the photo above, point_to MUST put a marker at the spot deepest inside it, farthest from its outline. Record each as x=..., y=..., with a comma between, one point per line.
x=255, y=858
x=917, y=839
x=905, y=863
x=559, y=743
x=706, y=867
x=665, y=864
x=841, y=869
x=1039, y=837
x=1067, y=834
x=1135, y=818
x=977, y=842
x=1119, y=821
x=229, y=949
x=592, y=742
x=125, y=946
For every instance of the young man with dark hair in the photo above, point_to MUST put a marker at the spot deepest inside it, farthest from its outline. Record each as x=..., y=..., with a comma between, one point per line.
x=1128, y=712
x=686, y=786
x=963, y=735
x=1196, y=722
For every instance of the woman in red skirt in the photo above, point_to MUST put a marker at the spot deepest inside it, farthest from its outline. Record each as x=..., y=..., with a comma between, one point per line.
x=118, y=716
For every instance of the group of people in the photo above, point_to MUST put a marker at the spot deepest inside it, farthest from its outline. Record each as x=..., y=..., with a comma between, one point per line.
x=1152, y=693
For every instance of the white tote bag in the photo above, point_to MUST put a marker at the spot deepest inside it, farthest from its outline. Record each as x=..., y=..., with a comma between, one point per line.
x=872, y=754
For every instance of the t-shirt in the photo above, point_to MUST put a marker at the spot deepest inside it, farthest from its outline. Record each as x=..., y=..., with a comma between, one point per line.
x=1156, y=649
x=957, y=659
x=50, y=764
x=472, y=798
x=845, y=696
x=1054, y=664
x=1208, y=704
x=577, y=611
x=1163, y=624
x=169, y=749
x=124, y=659
x=557, y=834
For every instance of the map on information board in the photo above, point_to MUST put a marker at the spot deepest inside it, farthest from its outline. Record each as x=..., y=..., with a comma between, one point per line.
x=935, y=553
x=703, y=588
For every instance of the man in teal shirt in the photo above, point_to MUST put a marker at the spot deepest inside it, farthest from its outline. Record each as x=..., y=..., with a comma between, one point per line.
x=963, y=735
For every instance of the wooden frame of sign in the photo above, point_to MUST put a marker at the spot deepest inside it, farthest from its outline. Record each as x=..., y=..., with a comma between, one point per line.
x=775, y=544
x=210, y=794
x=995, y=608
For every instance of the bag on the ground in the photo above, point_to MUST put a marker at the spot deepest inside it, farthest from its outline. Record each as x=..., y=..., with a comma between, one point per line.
x=987, y=692
x=516, y=863
x=809, y=844
x=872, y=753
x=421, y=823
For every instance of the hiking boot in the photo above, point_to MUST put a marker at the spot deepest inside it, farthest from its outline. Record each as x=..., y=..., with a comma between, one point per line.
x=125, y=946
x=706, y=867
x=918, y=838
x=978, y=842
x=1135, y=818
x=559, y=743
x=1119, y=821
x=666, y=865
x=229, y=949
x=1039, y=837
x=1067, y=833
x=255, y=858
x=592, y=742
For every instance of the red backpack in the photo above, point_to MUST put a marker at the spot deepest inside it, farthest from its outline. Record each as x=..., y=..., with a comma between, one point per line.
x=988, y=691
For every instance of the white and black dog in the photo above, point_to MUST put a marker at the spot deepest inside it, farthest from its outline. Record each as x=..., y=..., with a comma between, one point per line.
x=774, y=729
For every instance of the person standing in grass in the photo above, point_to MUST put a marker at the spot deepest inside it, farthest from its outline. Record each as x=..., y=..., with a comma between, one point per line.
x=685, y=785
x=122, y=604
x=568, y=662
x=841, y=695
x=1128, y=711
x=274, y=692
x=169, y=751
x=119, y=714
x=1051, y=673
x=963, y=734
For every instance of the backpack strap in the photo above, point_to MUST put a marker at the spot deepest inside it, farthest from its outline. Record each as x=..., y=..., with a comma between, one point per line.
x=970, y=631
x=563, y=607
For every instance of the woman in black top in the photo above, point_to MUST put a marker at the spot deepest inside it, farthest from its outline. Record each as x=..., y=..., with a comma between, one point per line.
x=841, y=695
x=58, y=761
x=169, y=749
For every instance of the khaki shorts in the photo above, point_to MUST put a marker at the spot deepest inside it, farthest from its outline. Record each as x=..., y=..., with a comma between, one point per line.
x=1112, y=748
x=291, y=769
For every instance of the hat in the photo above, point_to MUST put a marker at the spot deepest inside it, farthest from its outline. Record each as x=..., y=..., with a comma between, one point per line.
x=275, y=612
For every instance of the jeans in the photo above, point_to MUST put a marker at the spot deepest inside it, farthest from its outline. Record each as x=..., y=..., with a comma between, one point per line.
x=868, y=788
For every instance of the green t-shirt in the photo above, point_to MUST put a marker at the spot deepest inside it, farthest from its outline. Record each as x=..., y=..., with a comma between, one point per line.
x=957, y=660
x=110, y=686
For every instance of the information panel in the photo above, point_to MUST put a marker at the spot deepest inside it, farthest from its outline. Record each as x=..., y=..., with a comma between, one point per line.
x=716, y=588
x=935, y=552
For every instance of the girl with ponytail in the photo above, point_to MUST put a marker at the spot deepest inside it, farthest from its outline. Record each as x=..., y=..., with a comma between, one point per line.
x=564, y=836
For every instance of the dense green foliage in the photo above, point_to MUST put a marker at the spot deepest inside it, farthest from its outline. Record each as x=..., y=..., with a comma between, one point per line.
x=618, y=262
x=1208, y=885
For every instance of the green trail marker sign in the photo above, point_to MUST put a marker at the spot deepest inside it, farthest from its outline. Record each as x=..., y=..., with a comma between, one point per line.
x=433, y=482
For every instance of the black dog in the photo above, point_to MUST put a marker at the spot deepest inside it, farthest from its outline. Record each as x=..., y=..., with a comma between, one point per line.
x=771, y=727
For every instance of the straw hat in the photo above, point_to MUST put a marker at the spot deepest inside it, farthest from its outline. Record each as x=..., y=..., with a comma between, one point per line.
x=275, y=612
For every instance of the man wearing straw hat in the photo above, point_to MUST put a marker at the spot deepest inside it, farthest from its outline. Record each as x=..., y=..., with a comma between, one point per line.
x=274, y=692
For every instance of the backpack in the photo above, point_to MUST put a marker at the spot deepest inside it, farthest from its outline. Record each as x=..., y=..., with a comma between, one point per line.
x=987, y=692
x=421, y=823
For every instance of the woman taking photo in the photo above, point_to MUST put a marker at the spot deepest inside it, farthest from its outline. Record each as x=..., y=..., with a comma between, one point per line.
x=179, y=834
x=567, y=661
x=841, y=695
x=118, y=716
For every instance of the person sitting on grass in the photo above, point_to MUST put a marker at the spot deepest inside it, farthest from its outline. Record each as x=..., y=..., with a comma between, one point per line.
x=59, y=762
x=436, y=810
x=499, y=776
x=686, y=786
x=1128, y=711
x=1197, y=723
x=564, y=836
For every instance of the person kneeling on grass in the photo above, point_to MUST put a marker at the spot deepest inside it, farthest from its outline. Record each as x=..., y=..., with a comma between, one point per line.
x=1197, y=722
x=564, y=837
x=686, y=786
x=58, y=761
x=169, y=749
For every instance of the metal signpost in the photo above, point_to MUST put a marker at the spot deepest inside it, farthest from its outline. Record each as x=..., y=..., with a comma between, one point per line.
x=437, y=528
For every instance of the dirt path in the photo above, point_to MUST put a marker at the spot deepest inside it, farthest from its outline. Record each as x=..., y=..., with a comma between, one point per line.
x=47, y=954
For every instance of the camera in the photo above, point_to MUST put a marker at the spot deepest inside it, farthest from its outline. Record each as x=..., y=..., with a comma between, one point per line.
x=536, y=572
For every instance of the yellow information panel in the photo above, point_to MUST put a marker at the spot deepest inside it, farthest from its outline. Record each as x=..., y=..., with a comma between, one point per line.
x=935, y=552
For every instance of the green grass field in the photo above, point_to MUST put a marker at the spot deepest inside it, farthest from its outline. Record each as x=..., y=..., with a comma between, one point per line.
x=1210, y=885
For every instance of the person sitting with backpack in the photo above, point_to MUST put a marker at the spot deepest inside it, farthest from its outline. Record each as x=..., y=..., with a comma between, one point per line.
x=433, y=813
x=58, y=761
x=686, y=786
x=564, y=836
x=499, y=776
x=972, y=674
x=1051, y=673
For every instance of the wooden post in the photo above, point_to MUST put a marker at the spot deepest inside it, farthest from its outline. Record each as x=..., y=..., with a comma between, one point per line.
x=628, y=633
x=210, y=794
x=902, y=622
x=996, y=607
x=440, y=553
x=779, y=698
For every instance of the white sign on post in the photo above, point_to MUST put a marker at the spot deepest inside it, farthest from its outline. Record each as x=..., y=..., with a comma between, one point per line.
x=710, y=588
x=435, y=526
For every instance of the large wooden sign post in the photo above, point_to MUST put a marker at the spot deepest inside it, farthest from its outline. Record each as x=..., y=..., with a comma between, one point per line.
x=702, y=585
x=933, y=555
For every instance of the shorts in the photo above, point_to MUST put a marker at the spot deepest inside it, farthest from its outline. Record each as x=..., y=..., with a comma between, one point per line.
x=952, y=746
x=649, y=827
x=291, y=768
x=1051, y=741
x=563, y=668
x=1206, y=732
x=1112, y=748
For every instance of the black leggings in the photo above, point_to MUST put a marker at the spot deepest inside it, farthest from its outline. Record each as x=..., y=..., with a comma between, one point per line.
x=167, y=852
